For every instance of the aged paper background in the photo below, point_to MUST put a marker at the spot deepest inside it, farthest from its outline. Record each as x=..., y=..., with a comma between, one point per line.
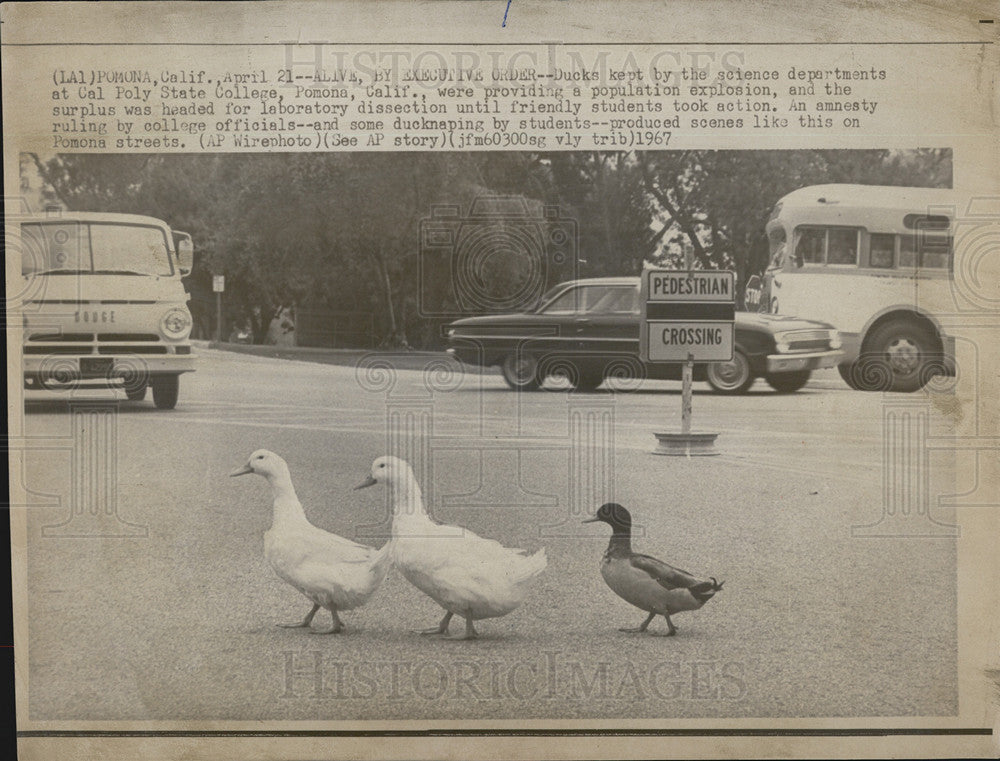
x=123, y=699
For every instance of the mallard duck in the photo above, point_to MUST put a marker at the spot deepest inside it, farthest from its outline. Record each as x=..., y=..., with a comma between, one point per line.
x=333, y=572
x=644, y=581
x=467, y=575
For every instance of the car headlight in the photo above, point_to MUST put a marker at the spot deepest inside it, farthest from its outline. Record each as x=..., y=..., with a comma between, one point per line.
x=781, y=342
x=451, y=333
x=835, y=342
x=176, y=323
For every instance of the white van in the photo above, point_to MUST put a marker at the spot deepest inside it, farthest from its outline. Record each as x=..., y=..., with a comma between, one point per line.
x=103, y=303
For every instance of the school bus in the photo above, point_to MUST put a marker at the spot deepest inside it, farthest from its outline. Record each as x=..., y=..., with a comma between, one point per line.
x=877, y=262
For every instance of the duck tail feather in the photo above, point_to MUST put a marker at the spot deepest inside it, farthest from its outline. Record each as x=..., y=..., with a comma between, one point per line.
x=534, y=564
x=705, y=590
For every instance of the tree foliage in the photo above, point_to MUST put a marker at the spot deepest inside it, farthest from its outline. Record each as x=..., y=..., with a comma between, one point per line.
x=718, y=201
x=341, y=232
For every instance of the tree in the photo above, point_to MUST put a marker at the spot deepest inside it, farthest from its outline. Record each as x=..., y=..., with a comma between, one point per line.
x=719, y=201
x=342, y=231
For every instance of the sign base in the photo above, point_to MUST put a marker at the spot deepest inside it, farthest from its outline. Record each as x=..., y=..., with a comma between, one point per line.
x=686, y=444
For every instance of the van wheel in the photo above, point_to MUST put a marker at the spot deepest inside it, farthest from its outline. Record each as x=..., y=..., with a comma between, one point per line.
x=732, y=377
x=165, y=391
x=903, y=350
x=521, y=372
x=788, y=383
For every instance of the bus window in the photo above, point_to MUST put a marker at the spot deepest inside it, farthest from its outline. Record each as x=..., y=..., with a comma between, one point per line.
x=882, y=250
x=776, y=239
x=810, y=247
x=842, y=247
x=927, y=221
x=925, y=251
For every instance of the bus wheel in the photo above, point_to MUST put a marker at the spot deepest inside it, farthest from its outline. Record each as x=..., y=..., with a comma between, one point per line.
x=847, y=372
x=732, y=377
x=165, y=391
x=869, y=373
x=787, y=383
x=521, y=372
x=904, y=348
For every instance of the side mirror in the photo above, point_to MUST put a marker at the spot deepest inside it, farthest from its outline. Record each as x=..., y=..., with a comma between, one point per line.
x=185, y=252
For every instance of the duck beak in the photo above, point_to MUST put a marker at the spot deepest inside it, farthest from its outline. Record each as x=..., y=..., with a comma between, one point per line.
x=366, y=483
x=591, y=520
x=242, y=471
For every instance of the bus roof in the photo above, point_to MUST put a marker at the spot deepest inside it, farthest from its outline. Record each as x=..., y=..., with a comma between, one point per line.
x=94, y=216
x=868, y=196
x=877, y=208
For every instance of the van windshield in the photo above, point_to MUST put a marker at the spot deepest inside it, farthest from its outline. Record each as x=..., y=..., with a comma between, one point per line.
x=59, y=247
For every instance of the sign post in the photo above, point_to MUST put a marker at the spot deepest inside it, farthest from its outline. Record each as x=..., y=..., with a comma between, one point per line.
x=687, y=316
x=218, y=285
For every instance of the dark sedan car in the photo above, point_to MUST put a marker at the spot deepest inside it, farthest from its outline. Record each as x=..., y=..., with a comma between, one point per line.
x=588, y=330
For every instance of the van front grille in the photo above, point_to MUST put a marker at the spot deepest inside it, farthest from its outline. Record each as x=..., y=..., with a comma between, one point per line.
x=128, y=349
x=55, y=349
x=62, y=337
x=127, y=337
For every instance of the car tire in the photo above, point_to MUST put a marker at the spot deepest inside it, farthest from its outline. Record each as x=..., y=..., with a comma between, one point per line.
x=788, y=383
x=135, y=393
x=732, y=377
x=903, y=349
x=521, y=372
x=165, y=391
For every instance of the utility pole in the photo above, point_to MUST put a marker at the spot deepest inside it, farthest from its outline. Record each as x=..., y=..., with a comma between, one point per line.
x=218, y=285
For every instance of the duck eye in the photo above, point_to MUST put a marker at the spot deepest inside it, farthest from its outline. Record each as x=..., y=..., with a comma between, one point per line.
x=382, y=465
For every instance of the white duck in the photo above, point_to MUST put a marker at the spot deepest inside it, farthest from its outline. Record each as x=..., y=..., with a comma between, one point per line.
x=335, y=573
x=465, y=574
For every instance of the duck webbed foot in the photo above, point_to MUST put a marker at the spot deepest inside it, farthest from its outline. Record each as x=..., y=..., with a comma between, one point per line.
x=671, y=631
x=441, y=628
x=470, y=632
x=336, y=627
x=640, y=628
x=305, y=623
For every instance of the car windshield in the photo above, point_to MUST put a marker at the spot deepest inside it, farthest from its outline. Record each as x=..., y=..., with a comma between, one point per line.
x=96, y=248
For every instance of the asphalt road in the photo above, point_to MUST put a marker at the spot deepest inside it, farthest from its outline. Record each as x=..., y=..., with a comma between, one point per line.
x=169, y=611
